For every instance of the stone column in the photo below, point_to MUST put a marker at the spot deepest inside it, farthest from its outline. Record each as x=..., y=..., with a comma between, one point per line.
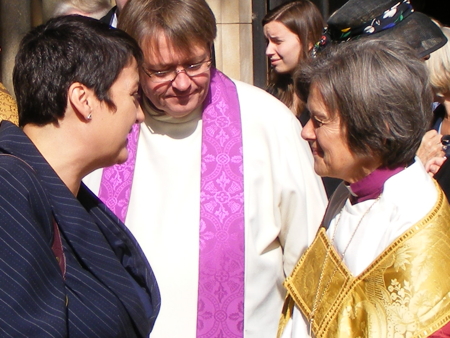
x=47, y=8
x=233, y=45
x=15, y=21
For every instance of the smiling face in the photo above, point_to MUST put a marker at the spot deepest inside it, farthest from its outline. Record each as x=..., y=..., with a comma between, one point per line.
x=183, y=95
x=113, y=126
x=329, y=145
x=283, y=47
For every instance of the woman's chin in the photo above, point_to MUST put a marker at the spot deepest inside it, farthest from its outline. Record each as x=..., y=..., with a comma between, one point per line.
x=319, y=169
x=121, y=158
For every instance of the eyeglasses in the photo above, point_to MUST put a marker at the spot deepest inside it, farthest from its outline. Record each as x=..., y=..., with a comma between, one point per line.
x=170, y=75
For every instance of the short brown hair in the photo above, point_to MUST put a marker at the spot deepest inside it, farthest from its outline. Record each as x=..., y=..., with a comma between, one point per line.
x=184, y=22
x=381, y=92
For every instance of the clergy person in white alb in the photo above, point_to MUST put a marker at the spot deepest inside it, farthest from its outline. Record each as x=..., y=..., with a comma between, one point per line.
x=221, y=194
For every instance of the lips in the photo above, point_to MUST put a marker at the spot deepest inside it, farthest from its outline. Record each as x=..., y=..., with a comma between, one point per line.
x=180, y=96
x=183, y=97
x=274, y=61
x=316, y=151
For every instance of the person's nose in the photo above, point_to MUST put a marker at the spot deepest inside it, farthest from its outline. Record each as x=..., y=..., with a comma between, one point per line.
x=308, y=131
x=140, y=115
x=182, y=81
x=269, y=49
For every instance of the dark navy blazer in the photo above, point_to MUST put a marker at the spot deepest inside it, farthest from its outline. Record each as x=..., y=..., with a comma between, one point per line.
x=108, y=288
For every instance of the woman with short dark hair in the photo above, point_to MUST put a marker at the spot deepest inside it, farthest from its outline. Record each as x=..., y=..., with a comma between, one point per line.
x=68, y=266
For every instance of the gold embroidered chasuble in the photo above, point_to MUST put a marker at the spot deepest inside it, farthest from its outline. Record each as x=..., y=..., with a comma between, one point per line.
x=405, y=292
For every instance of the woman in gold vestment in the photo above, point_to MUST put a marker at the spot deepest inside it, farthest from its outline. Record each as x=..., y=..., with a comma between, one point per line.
x=379, y=265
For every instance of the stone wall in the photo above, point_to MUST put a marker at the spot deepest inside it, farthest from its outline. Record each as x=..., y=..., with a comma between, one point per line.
x=15, y=21
x=233, y=45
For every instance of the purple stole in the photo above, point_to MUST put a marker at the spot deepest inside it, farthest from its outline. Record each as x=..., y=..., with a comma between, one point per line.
x=220, y=310
x=115, y=187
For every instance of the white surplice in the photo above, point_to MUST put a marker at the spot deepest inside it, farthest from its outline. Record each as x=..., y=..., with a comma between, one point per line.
x=407, y=197
x=284, y=203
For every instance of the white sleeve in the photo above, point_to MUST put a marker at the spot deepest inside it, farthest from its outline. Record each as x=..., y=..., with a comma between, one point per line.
x=303, y=197
x=280, y=172
x=296, y=327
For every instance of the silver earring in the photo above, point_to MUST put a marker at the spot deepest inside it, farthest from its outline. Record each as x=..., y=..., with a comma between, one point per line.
x=89, y=117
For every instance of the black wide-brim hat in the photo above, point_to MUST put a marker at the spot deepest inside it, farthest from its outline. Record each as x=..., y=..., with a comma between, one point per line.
x=386, y=19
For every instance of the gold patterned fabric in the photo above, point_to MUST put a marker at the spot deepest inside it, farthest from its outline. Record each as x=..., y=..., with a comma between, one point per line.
x=405, y=292
x=8, y=106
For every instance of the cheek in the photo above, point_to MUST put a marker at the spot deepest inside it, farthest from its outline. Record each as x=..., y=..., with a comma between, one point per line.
x=329, y=140
x=154, y=92
x=281, y=51
x=202, y=84
x=204, y=88
x=293, y=54
x=323, y=137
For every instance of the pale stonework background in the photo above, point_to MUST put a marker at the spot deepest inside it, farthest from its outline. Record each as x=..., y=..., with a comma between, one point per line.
x=233, y=45
x=239, y=45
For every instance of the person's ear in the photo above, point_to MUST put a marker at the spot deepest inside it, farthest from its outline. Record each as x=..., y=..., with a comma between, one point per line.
x=81, y=98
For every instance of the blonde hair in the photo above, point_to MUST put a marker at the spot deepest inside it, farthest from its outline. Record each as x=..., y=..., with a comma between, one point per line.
x=439, y=67
x=92, y=8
